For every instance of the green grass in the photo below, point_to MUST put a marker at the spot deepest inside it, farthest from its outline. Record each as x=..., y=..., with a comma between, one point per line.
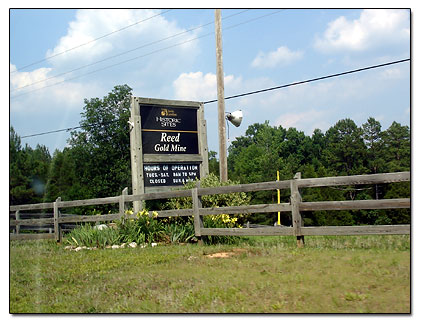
x=363, y=274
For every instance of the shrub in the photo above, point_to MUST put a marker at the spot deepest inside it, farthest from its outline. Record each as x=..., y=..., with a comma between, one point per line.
x=141, y=228
x=144, y=227
x=212, y=201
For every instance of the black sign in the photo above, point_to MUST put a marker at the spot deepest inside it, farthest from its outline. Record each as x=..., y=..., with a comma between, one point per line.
x=170, y=174
x=169, y=130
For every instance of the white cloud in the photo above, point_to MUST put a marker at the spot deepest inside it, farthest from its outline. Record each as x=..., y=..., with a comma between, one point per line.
x=92, y=24
x=373, y=28
x=306, y=121
x=60, y=82
x=393, y=73
x=320, y=104
x=202, y=87
x=22, y=79
x=38, y=85
x=281, y=56
x=148, y=70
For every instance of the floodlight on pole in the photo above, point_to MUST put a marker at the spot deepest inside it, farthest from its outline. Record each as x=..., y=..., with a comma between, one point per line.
x=235, y=117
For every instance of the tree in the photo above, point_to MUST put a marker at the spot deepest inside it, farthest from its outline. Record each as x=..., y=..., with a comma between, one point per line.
x=345, y=151
x=28, y=169
x=398, y=157
x=255, y=156
x=213, y=163
x=318, y=144
x=372, y=135
x=63, y=179
x=101, y=150
x=373, y=139
x=397, y=147
x=264, y=150
x=19, y=185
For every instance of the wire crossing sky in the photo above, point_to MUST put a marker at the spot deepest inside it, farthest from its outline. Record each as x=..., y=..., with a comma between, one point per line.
x=83, y=44
x=245, y=94
x=125, y=52
x=170, y=54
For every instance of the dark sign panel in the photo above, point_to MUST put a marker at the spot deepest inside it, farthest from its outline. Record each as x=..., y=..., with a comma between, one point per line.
x=169, y=130
x=170, y=174
x=154, y=117
x=169, y=142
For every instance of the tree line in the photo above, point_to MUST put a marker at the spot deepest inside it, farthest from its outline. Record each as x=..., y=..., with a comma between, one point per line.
x=344, y=149
x=96, y=162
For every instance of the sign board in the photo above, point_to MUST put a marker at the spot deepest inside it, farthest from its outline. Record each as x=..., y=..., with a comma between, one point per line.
x=170, y=174
x=168, y=144
x=169, y=130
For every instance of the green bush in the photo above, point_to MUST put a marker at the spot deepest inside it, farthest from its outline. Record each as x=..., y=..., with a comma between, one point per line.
x=141, y=228
x=212, y=201
x=147, y=228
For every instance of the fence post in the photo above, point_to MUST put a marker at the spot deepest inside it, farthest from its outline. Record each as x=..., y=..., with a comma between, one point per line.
x=17, y=216
x=122, y=202
x=198, y=220
x=297, y=221
x=57, y=233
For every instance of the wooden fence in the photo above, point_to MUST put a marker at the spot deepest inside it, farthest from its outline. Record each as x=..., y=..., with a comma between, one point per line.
x=295, y=207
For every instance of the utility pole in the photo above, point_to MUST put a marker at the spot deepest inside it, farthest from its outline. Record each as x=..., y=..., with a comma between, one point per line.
x=223, y=160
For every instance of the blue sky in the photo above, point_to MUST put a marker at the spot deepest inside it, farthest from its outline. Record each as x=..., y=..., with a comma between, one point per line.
x=287, y=46
x=262, y=48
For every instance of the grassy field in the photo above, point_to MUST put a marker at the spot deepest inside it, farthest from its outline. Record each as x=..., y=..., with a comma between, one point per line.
x=363, y=274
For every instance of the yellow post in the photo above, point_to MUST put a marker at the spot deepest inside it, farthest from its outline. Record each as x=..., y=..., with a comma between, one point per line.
x=279, y=198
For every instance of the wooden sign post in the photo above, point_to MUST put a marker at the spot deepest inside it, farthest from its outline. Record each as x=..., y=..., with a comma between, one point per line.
x=168, y=144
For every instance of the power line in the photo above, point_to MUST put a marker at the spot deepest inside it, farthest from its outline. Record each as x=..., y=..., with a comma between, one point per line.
x=245, y=94
x=68, y=129
x=145, y=55
x=123, y=53
x=311, y=80
x=83, y=44
x=51, y=132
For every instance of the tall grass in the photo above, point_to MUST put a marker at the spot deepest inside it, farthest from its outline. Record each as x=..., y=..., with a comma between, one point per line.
x=148, y=228
x=140, y=231
x=179, y=233
x=86, y=235
x=346, y=274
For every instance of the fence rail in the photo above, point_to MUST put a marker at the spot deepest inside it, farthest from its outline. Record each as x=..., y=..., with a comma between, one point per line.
x=295, y=207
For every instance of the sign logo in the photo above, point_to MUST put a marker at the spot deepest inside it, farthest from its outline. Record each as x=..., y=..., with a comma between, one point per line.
x=168, y=113
x=171, y=130
x=168, y=118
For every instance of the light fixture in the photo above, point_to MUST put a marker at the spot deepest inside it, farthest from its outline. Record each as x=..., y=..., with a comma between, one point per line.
x=235, y=117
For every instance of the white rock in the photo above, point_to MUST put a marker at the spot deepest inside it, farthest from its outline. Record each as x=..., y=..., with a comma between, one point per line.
x=78, y=249
x=100, y=227
x=133, y=245
x=122, y=245
x=153, y=244
x=143, y=246
x=115, y=246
